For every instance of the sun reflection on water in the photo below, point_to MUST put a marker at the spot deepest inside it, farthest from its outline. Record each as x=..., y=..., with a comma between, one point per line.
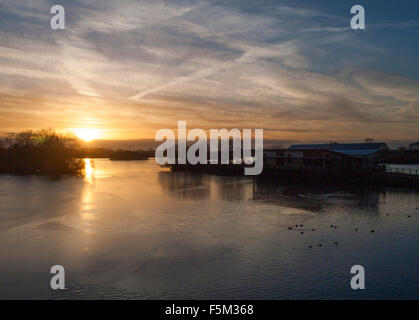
x=88, y=170
x=87, y=205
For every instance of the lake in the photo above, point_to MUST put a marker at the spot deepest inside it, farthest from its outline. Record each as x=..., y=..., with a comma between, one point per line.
x=132, y=230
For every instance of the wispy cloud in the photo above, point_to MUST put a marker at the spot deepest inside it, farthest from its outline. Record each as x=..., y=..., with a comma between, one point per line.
x=131, y=64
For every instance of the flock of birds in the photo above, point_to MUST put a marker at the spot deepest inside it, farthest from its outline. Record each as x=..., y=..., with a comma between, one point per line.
x=334, y=227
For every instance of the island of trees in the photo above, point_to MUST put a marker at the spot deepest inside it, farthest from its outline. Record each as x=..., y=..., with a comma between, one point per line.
x=50, y=153
x=40, y=152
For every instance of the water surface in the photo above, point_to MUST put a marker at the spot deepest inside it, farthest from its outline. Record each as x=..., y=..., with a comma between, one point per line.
x=132, y=230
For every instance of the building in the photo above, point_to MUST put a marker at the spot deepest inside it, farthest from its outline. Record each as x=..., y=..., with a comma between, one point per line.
x=414, y=146
x=324, y=156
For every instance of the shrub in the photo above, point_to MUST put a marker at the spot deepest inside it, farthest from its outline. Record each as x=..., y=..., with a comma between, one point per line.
x=40, y=152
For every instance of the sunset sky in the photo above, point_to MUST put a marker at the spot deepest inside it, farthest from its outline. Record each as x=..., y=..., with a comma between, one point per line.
x=294, y=68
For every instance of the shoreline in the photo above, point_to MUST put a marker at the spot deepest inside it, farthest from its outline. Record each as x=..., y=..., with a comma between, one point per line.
x=376, y=178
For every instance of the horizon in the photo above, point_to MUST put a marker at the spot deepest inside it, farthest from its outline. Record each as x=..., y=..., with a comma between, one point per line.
x=150, y=143
x=268, y=143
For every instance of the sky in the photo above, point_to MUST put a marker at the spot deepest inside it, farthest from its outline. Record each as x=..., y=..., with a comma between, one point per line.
x=125, y=69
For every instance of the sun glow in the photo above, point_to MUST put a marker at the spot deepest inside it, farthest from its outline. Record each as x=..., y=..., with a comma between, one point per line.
x=87, y=134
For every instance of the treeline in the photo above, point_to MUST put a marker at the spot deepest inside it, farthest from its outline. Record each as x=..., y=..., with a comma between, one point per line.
x=113, y=154
x=47, y=152
x=40, y=152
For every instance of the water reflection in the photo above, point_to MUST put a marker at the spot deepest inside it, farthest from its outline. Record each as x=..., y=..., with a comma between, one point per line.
x=89, y=173
x=130, y=229
x=316, y=199
x=185, y=185
x=235, y=188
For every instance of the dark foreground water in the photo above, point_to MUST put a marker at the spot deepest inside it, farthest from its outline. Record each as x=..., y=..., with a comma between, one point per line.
x=133, y=230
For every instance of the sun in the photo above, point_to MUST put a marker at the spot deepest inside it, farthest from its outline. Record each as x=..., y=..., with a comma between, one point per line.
x=87, y=134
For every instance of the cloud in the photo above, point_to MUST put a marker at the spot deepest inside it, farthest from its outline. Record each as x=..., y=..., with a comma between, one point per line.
x=387, y=84
x=150, y=63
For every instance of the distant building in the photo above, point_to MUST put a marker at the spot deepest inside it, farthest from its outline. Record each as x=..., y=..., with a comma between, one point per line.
x=414, y=146
x=323, y=156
